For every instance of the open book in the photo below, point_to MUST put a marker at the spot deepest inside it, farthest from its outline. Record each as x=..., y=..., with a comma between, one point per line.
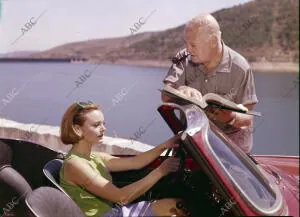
x=208, y=100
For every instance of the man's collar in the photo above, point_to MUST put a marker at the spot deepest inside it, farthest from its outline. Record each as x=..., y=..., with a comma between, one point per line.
x=225, y=64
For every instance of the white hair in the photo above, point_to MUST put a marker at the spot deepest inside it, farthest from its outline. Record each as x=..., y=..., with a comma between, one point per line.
x=204, y=23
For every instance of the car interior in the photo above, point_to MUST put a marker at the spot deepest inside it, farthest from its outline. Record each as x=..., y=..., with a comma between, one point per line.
x=189, y=183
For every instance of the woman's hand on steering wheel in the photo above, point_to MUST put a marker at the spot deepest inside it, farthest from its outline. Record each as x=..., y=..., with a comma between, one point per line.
x=172, y=142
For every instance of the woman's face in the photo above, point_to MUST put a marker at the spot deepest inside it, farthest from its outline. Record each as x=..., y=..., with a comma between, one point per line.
x=93, y=128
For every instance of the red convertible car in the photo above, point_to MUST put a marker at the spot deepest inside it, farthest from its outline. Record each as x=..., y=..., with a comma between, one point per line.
x=215, y=177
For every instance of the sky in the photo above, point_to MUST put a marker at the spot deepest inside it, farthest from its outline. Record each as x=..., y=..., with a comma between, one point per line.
x=43, y=24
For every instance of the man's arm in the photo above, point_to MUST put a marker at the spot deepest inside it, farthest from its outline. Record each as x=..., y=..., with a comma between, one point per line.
x=234, y=119
x=242, y=120
x=164, y=97
x=245, y=96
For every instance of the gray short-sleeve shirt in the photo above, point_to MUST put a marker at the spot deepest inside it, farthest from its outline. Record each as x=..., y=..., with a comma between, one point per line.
x=233, y=79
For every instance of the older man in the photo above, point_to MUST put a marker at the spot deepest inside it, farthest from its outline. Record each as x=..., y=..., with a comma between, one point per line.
x=207, y=65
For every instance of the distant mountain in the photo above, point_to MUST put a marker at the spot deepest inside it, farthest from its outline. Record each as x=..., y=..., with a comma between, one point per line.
x=19, y=54
x=260, y=30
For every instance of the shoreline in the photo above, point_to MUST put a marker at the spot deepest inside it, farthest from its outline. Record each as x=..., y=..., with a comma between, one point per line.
x=257, y=67
x=275, y=67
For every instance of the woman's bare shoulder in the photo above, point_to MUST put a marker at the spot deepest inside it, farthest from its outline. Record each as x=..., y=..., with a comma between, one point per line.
x=75, y=169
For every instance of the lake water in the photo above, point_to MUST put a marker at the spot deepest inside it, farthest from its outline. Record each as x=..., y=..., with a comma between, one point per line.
x=129, y=96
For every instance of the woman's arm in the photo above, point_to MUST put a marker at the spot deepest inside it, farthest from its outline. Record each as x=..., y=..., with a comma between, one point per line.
x=80, y=173
x=115, y=164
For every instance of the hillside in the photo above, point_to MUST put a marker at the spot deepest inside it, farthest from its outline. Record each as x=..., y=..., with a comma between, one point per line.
x=260, y=30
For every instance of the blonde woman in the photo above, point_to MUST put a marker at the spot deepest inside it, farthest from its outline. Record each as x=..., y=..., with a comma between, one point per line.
x=85, y=175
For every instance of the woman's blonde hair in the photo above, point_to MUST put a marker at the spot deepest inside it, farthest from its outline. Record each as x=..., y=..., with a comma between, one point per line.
x=74, y=115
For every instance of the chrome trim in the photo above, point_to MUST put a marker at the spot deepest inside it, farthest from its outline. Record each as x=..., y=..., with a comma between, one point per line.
x=277, y=176
x=193, y=131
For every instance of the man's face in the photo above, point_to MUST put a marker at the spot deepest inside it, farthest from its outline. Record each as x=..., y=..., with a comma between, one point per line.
x=198, y=44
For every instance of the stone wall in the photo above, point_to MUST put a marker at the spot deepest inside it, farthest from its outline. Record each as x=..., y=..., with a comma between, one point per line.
x=48, y=136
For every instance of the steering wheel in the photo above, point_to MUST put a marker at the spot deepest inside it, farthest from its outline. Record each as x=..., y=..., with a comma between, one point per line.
x=172, y=178
x=181, y=154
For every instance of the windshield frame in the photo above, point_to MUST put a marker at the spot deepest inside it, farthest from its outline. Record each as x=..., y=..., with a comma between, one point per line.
x=201, y=124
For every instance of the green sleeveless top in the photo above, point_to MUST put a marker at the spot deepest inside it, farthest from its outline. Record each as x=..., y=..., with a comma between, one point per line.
x=89, y=204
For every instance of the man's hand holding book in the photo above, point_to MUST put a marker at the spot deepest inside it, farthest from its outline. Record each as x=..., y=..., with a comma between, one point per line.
x=215, y=114
x=217, y=108
x=190, y=92
x=223, y=116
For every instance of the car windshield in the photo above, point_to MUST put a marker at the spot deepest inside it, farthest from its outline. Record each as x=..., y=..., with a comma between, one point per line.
x=247, y=178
